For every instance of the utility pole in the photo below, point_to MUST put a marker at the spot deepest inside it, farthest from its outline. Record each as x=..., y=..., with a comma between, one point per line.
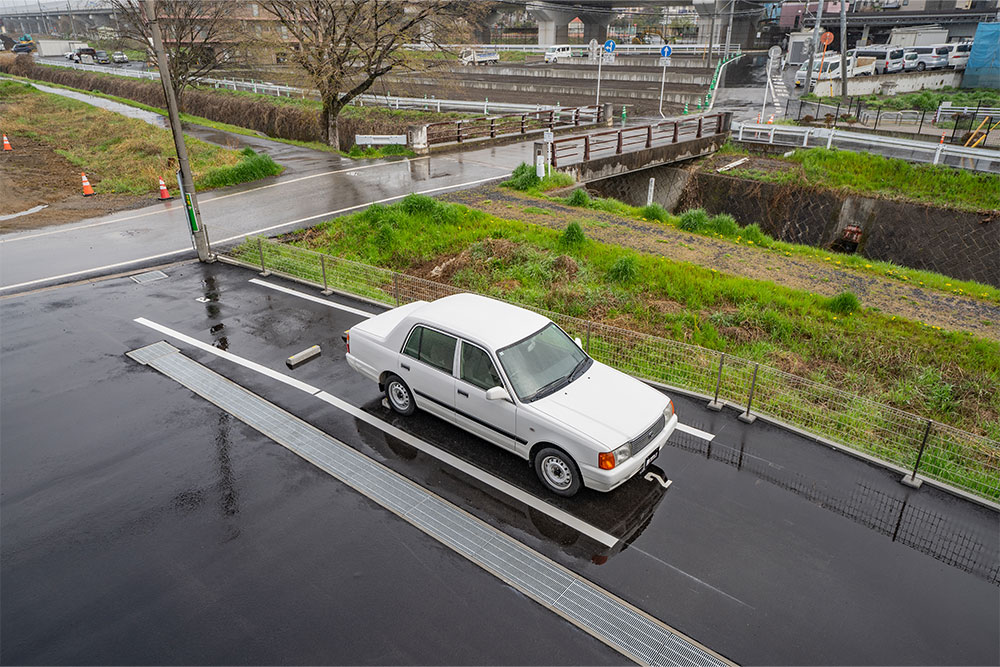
x=843, y=49
x=72, y=19
x=187, y=183
x=711, y=32
x=815, y=47
x=729, y=30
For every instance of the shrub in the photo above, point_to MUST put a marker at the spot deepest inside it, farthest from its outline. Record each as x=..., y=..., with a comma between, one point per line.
x=807, y=118
x=251, y=167
x=724, y=224
x=578, y=197
x=572, y=236
x=523, y=178
x=844, y=303
x=414, y=203
x=695, y=220
x=754, y=233
x=625, y=270
x=654, y=212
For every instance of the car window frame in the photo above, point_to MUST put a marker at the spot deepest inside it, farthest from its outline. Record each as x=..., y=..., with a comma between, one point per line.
x=454, y=354
x=493, y=362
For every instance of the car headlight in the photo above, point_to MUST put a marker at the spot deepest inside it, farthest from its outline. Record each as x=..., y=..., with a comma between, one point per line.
x=668, y=411
x=608, y=460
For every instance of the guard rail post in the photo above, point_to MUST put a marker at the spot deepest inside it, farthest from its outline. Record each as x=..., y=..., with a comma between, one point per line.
x=618, y=147
x=698, y=135
x=260, y=251
x=714, y=404
x=718, y=124
x=746, y=417
x=576, y=116
x=649, y=136
x=878, y=114
x=493, y=128
x=676, y=131
x=552, y=119
x=586, y=147
x=322, y=263
x=458, y=131
x=911, y=479
x=921, y=126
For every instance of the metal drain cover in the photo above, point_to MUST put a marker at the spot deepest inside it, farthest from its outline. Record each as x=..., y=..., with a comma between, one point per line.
x=149, y=276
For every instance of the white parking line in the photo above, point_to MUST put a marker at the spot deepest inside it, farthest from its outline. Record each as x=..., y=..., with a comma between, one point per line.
x=310, y=297
x=698, y=433
x=477, y=473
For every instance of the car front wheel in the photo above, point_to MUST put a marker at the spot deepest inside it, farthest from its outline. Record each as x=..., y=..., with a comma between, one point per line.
x=399, y=396
x=557, y=471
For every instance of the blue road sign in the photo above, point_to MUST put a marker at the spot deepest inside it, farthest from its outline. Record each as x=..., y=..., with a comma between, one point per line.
x=609, y=46
x=666, y=51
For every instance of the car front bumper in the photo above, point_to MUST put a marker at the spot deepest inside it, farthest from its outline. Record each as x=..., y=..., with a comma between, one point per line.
x=609, y=480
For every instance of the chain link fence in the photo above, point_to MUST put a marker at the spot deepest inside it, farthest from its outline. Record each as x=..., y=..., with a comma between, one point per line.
x=920, y=446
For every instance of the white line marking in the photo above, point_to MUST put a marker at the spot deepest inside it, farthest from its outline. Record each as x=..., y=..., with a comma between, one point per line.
x=698, y=433
x=310, y=297
x=483, y=476
x=245, y=234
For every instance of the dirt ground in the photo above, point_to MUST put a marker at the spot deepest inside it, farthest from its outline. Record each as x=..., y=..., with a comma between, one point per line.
x=933, y=308
x=33, y=175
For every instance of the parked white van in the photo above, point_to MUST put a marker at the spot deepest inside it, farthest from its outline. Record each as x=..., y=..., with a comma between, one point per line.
x=558, y=53
x=888, y=59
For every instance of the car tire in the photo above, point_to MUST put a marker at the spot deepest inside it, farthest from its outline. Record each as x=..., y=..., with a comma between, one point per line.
x=558, y=472
x=921, y=67
x=399, y=395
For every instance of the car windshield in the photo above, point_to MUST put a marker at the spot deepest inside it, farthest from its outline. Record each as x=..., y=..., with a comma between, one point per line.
x=543, y=363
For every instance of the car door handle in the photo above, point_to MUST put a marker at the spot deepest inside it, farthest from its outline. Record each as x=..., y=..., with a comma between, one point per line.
x=404, y=367
x=462, y=392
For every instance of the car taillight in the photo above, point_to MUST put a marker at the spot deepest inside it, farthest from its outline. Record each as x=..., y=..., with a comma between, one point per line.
x=606, y=460
x=347, y=340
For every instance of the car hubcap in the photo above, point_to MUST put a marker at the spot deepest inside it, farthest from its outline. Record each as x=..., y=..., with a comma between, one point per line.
x=557, y=472
x=399, y=396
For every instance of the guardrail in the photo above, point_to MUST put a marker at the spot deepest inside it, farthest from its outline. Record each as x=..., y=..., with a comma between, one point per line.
x=973, y=159
x=567, y=150
x=466, y=129
x=906, y=442
x=644, y=49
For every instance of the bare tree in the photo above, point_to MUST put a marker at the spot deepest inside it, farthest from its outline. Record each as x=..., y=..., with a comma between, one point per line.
x=345, y=46
x=199, y=35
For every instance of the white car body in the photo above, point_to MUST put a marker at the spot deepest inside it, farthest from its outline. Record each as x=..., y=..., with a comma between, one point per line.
x=598, y=412
x=559, y=53
x=473, y=57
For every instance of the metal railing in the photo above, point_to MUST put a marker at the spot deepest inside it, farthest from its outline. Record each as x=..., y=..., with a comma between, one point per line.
x=973, y=159
x=910, y=443
x=466, y=129
x=580, y=148
x=638, y=49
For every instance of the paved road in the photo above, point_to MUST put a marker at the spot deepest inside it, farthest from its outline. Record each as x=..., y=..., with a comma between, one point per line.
x=141, y=524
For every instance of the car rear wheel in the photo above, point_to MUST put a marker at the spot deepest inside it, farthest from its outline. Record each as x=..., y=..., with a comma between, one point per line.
x=399, y=396
x=921, y=67
x=557, y=471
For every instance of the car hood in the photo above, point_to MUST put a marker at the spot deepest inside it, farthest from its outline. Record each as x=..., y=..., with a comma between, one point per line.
x=607, y=405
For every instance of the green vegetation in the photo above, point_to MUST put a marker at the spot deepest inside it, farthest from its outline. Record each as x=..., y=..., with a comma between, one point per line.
x=370, y=152
x=526, y=180
x=925, y=100
x=866, y=173
x=120, y=155
x=829, y=340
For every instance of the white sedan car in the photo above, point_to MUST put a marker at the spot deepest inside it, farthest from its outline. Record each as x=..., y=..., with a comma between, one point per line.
x=514, y=378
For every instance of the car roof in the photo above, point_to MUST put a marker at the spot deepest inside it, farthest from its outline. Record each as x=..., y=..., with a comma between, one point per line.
x=494, y=323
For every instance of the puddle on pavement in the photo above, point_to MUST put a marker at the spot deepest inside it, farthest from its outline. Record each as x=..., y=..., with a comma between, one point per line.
x=33, y=209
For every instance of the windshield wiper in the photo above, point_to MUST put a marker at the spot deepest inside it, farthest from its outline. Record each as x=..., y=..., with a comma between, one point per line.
x=580, y=369
x=547, y=389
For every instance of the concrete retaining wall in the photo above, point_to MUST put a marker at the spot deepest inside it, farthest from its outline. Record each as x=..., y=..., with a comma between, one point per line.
x=955, y=243
x=893, y=84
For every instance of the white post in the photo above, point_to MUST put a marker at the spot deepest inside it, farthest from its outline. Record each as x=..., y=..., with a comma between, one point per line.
x=829, y=139
x=600, y=60
x=649, y=192
x=663, y=78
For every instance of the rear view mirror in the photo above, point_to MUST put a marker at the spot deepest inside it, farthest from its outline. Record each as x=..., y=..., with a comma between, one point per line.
x=497, y=394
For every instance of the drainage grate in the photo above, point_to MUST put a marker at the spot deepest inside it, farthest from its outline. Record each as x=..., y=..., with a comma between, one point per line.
x=609, y=619
x=149, y=276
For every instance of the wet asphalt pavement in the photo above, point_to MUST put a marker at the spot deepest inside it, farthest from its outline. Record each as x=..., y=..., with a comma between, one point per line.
x=141, y=524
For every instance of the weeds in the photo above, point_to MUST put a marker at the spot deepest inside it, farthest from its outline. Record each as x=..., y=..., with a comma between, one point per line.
x=844, y=303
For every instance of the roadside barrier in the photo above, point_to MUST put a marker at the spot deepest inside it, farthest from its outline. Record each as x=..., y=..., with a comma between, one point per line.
x=965, y=463
x=87, y=190
x=164, y=193
x=6, y=144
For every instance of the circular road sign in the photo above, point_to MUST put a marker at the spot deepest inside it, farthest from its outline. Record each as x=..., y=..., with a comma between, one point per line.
x=826, y=38
x=666, y=51
x=774, y=52
x=609, y=46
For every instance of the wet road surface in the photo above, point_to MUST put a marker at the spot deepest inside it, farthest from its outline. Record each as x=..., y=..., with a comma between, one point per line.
x=142, y=524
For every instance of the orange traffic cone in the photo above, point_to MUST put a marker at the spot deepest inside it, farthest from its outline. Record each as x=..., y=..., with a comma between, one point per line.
x=770, y=121
x=87, y=190
x=6, y=144
x=164, y=194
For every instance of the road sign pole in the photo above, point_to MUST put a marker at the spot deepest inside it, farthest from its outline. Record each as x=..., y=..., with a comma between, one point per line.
x=663, y=80
x=600, y=59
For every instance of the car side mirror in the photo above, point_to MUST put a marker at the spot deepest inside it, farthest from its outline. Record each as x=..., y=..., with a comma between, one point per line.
x=579, y=343
x=497, y=394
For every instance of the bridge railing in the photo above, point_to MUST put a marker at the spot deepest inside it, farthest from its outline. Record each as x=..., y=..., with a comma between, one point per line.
x=466, y=129
x=581, y=148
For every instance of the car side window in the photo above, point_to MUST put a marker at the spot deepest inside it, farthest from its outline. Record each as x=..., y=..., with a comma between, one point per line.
x=432, y=347
x=478, y=369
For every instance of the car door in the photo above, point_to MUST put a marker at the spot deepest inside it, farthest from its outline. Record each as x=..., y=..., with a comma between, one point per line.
x=426, y=364
x=495, y=420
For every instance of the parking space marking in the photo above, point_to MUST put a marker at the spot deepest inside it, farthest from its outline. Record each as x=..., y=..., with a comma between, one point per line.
x=424, y=446
x=698, y=433
x=310, y=297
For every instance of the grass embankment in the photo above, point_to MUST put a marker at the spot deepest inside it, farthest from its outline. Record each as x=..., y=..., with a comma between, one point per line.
x=120, y=155
x=952, y=377
x=925, y=100
x=868, y=174
x=725, y=226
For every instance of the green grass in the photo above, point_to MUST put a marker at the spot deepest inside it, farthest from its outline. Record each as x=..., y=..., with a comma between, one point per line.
x=925, y=100
x=374, y=152
x=830, y=340
x=525, y=179
x=120, y=155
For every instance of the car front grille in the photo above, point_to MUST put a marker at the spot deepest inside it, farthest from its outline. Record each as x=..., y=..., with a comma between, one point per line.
x=647, y=436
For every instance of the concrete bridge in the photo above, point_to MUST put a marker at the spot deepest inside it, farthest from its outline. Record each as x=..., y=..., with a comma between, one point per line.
x=596, y=155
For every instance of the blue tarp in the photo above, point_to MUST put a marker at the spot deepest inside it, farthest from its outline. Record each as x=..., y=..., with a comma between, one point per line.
x=983, y=70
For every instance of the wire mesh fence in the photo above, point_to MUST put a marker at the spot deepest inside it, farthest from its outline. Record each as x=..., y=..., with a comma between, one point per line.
x=960, y=459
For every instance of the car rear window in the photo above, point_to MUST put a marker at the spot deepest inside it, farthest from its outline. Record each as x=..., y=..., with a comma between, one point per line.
x=897, y=54
x=963, y=48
